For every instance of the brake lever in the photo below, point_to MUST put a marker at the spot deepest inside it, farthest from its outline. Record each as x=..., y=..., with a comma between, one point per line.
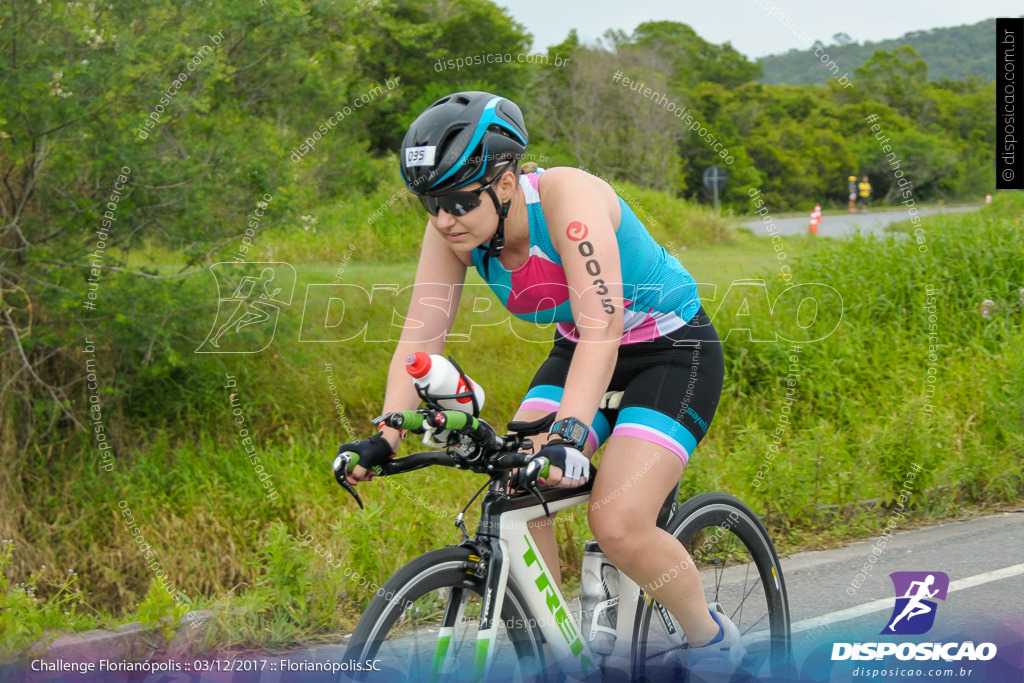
x=341, y=467
x=528, y=480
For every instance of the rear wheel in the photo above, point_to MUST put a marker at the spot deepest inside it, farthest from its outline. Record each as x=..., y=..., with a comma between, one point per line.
x=427, y=617
x=739, y=569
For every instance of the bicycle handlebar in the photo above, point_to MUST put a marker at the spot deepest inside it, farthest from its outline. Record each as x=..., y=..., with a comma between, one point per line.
x=419, y=421
x=485, y=452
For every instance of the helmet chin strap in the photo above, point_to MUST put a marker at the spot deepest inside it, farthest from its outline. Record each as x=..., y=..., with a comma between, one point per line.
x=497, y=242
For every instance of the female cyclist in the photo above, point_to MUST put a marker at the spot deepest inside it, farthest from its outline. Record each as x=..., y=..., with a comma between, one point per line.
x=560, y=246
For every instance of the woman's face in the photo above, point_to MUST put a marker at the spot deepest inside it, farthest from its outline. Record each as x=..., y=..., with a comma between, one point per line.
x=465, y=233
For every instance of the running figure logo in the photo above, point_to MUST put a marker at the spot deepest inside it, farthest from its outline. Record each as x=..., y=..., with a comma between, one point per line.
x=914, y=613
x=247, y=319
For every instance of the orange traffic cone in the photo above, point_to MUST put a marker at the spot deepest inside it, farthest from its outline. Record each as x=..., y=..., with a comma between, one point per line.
x=812, y=229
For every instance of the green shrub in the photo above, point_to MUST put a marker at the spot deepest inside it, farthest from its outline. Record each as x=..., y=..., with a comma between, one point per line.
x=29, y=622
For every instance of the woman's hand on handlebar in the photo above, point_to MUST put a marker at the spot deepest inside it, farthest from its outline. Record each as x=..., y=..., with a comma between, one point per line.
x=368, y=453
x=568, y=468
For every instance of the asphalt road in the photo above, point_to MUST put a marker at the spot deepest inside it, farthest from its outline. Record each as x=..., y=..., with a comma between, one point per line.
x=840, y=224
x=969, y=552
x=984, y=560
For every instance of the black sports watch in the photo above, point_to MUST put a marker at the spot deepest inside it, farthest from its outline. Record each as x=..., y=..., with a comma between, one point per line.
x=572, y=430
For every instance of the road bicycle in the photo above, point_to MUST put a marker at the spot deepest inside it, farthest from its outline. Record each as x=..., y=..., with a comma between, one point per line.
x=488, y=608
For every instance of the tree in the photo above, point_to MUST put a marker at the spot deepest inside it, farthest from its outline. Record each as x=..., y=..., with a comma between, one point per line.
x=694, y=60
x=422, y=41
x=896, y=78
x=211, y=111
x=611, y=130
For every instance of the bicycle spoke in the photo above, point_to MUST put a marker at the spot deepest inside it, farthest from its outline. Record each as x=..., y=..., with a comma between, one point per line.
x=719, y=575
x=759, y=620
x=743, y=600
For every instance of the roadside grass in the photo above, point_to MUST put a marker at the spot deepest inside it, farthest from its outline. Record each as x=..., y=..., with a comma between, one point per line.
x=304, y=564
x=388, y=226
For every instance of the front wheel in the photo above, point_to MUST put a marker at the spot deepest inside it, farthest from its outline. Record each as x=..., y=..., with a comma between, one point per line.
x=423, y=624
x=739, y=569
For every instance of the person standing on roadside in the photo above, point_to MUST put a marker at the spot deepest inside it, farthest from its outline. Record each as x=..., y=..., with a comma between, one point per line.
x=852, y=189
x=864, y=190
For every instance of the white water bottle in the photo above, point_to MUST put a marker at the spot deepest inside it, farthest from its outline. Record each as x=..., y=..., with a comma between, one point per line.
x=436, y=376
x=599, y=600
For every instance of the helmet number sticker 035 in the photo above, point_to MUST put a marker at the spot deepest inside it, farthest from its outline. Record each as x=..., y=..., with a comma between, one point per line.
x=420, y=156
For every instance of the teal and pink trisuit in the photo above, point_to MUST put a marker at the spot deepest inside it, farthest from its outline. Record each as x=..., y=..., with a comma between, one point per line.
x=670, y=364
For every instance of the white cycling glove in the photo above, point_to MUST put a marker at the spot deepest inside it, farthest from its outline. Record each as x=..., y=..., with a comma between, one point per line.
x=574, y=464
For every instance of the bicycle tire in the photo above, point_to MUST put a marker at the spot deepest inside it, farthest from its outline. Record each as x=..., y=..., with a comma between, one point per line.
x=689, y=524
x=446, y=568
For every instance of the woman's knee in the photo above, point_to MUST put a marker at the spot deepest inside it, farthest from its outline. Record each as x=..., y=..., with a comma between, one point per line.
x=615, y=531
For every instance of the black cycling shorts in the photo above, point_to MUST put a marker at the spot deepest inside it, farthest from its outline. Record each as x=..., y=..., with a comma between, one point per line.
x=671, y=387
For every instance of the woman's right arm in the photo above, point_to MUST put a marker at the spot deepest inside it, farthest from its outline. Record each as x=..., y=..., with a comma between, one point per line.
x=435, y=300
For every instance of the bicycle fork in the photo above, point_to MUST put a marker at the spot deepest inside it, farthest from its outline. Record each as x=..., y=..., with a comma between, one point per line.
x=490, y=565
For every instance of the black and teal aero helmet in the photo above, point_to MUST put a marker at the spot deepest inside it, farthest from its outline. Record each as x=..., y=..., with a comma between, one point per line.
x=460, y=139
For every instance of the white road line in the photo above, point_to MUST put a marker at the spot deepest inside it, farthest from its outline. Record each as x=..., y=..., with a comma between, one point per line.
x=887, y=603
x=994, y=575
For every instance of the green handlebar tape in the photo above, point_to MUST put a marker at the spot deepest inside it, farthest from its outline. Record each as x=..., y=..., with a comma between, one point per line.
x=456, y=419
x=544, y=472
x=353, y=459
x=411, y=419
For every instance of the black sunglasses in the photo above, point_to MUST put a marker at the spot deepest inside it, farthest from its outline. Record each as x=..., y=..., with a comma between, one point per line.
x=456, y=203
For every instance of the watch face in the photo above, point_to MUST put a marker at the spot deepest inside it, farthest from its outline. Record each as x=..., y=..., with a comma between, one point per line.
x=571, y=430
x=577, y=432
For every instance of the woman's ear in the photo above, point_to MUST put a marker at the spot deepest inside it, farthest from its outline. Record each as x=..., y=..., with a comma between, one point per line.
x=507, y=185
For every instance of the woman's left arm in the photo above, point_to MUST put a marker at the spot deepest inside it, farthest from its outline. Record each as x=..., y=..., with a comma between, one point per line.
x=579, y=220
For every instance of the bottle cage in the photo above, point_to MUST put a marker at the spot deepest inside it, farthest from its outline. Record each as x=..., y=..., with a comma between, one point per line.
x=432, y=400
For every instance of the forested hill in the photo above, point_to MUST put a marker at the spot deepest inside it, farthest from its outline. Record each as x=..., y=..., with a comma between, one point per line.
x=955, y=53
